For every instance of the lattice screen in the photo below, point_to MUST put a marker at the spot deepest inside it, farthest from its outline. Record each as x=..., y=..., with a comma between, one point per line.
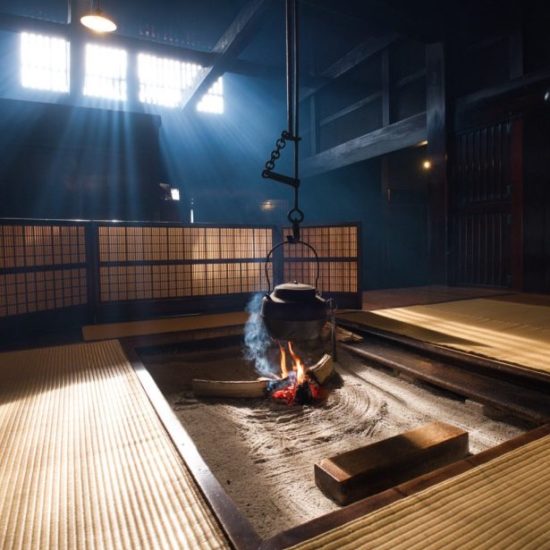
x=337, y=249
x=178, y=262
x=42, y=267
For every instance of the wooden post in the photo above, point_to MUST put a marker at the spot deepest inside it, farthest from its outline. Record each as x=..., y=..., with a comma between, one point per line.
x=436, y=122
x=516, y=180
x=386, y=90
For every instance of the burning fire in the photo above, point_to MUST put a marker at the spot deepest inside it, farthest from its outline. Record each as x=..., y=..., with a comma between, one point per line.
x=297, y=384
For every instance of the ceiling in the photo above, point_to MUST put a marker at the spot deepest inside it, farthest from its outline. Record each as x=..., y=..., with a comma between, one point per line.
x=330, y=28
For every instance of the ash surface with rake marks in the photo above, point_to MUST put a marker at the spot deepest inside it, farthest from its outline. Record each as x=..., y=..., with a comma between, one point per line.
x=263, y=451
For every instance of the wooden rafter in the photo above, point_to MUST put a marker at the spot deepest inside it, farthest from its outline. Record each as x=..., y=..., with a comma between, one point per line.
x=228, y=47
x=354, y=57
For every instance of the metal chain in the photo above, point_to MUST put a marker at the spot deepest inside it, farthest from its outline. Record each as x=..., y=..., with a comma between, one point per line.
x=276, y=153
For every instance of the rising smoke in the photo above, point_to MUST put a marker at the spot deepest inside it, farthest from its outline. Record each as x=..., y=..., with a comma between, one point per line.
x=256, y=339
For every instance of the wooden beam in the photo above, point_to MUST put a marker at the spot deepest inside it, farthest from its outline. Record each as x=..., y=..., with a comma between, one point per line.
x=232, y=42
x=393, y=137
x=350, y=108
x=353, y=58
x=528, y=81
x=16, y=24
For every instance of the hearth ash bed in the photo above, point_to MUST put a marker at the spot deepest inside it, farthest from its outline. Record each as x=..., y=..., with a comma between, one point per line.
x=262, y=450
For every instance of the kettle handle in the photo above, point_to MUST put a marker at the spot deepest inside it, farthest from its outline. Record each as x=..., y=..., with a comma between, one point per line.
x=279, y=246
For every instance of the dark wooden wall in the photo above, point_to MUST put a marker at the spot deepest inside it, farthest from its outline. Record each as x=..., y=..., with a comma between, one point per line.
x=537, y=201
x=481, y=206
x=69, y=162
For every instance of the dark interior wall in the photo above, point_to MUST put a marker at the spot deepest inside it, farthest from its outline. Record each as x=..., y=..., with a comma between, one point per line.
x=389, y=197
x=60, y=161
x=536, y=194
x=406, y=219
x=217, y=160
x=351, y=194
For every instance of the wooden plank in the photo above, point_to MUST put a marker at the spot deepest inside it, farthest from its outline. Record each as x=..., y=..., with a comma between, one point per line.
x=159, y=326
x=373, y=468
x=393, y=137
x=249, y=389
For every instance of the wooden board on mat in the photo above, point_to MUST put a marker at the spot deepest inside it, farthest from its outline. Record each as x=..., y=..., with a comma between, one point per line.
x=362, y=472
x=159, y=326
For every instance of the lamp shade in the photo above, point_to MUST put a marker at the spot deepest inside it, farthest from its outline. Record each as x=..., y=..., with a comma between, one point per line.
x=97, y=21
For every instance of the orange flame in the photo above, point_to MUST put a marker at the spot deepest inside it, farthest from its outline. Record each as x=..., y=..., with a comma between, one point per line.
x=284, y=369
x=297, y=366
x=298, y=389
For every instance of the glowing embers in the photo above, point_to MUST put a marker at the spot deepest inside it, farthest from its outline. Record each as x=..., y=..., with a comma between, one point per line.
x=45, y=62
x=162, y=81
x=106, y=72
x=297, y=384
x=212, y=101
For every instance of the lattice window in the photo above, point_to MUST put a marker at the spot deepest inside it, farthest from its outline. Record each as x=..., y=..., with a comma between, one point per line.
x=162, y=81
x=34, y=245
x=105, y=75
x=202, y=247
x=45, y=62
x=212, y=101
x=30, y=292
x=337, y=247
x=333, y=276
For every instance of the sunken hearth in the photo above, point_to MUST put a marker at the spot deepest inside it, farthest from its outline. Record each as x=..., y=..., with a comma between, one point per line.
x=263, y=450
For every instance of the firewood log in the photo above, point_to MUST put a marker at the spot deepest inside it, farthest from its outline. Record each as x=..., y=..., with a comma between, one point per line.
x=254, y=388
x=226, y=388
x=323, y=369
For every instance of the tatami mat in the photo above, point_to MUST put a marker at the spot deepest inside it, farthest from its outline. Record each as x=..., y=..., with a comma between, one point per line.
x=429, y=294
x=511, y=331
x=503, y=504
x=85, y=462
x=159, y=326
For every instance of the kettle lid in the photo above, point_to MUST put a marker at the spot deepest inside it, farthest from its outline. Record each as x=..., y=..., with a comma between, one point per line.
x=294, y=292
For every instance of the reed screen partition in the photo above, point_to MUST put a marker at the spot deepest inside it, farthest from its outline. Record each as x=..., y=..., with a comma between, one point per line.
x=62, y=272
x=43, y=267
x=337, y=249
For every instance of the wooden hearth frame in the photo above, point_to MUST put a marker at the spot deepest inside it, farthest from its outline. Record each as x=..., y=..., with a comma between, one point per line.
x=240, y=532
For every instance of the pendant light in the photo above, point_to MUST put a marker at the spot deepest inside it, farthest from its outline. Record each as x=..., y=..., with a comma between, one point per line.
x=97, y=21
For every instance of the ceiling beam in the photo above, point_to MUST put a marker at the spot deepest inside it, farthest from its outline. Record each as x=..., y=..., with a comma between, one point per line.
x=354, y=57
x=229, y=46
x=17, y=23
x=393, y=137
